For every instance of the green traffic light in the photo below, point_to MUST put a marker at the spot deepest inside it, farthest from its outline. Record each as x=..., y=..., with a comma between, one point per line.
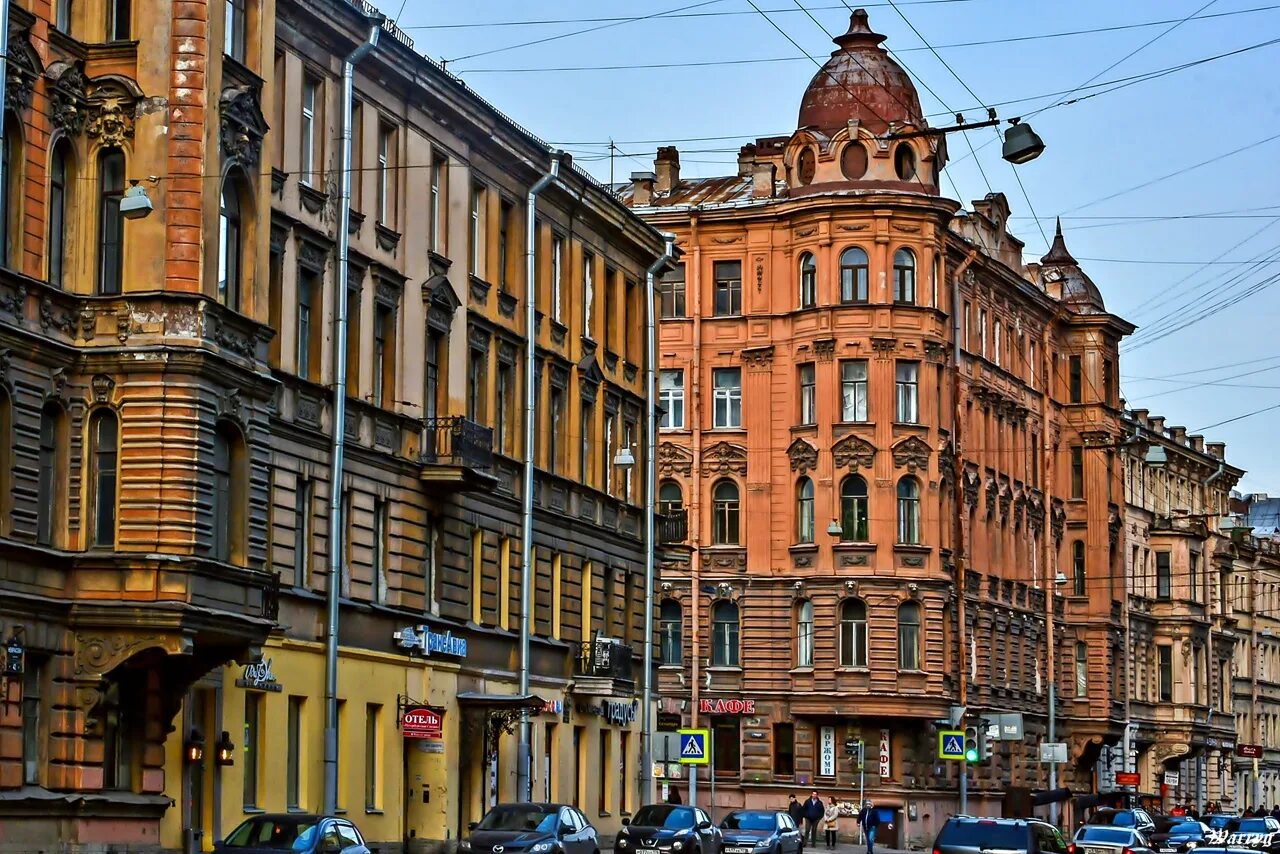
x=971, y=754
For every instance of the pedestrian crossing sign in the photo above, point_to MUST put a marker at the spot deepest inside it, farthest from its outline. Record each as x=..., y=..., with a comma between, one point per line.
x=693, y=747
x=951, y=744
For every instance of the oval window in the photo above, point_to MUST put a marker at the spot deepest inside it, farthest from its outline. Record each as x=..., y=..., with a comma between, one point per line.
x=806, y=167
x=853, y=161
x=904, y=161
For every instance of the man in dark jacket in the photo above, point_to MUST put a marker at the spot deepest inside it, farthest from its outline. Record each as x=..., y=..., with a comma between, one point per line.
x=870, y=820
x=814, y=810
x=796, y=810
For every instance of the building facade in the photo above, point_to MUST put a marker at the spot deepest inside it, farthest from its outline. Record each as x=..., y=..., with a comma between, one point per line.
x=167, y=412
x=836, y=463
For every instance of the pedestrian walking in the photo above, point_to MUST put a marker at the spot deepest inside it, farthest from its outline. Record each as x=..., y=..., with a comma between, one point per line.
x=870, y=821
x=813, y=813
x=673, y=797
x=795, y=809
x=831, y=824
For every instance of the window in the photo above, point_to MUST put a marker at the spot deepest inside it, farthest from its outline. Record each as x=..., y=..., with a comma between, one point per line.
x=904, y=161
x=727, y=393
x=1082, y=670
x=386, y=202
x=477, y=386
x=853, y=633
x=1164, y=576
x=52, y=465
x=726, y=746
x=804, y=634
x=62, y=16
x=671, y=289
x=853, y=510
x=670, y=498
x=587, y=429
x=308, y=138
x=1077, y=472
x=728, y=288
x=968, y=322
x=724, y=634
x=671, y=631
x=234, y=38
x=384, y=355
x=1108, y=382
x=229, y=253
x=908, y=389
x=904, y=277
x=302, y=503
x=308, y=331
x=110, y=222
x=293, y=754
x=853, y=275
x=1193, y=577
x=1075, y=375
x=610, y=308
x=784, y=749
x=31, y=740
x=119, y=15
x=725, y=512
x=1035, y=459
x=808, y=394
x=439, y=203
x=104, y=451
x=909, y=636
x=853, y=390
x=476, y=238
x=229, y=494
x=557, y=274
x=381, y=550
x=372, y=750
x=1077, y=567
x=504, y=406
x=909, y=511
x=804, y=511
x=504, y=247
x=671, y=399
x=808, y=281
x=1165, y=677
x=250, y=739
x=60, y=185
x=997, y=340
x=982, y=332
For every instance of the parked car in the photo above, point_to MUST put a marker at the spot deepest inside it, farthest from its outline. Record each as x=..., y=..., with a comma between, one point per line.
x=1138, y=819
x=966, y=835
x=1109, y=839
x=531, y=829
x=669, y=827
x=1256, y=834
x=1182, y=837
x=300, y=834
x=1219, y=821
x=760, y=832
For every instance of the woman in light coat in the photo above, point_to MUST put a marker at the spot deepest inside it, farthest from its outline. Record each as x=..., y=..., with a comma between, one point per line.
x=831, y=824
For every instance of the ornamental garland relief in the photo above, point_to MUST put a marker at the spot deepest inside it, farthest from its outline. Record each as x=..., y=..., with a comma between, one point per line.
x=853, y=453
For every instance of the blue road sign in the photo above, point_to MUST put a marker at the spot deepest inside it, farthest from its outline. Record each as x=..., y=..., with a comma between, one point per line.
x=951, y=744
x=693, y=747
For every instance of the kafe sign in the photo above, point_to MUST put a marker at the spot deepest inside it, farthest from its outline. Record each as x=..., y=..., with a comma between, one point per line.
x=726, y=707
x=258, y=676
x=422, y=722
x=428, y=643
x=886, y=763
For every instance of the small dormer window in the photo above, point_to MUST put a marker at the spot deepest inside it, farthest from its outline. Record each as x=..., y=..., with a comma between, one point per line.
x=853, y=161
x=904, y=162
x=805, y=167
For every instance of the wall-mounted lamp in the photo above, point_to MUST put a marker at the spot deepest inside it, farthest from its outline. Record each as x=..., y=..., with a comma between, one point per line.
x=194, y=748
x=226, y=754
x=834, y=528
x=625, y=459
x=1060, y=579
x=135, y=203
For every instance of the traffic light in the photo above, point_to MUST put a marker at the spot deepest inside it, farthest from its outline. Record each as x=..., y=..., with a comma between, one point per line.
x=971, y=744
x=986, y=744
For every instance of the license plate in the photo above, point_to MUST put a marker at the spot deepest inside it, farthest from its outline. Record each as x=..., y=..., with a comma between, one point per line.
x=1167, y=850
x=736, y=850
x=1098, y=851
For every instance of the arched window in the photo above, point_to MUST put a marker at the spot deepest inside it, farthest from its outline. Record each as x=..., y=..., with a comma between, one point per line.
x=230, y=252
x=909, y=636
x=904, y=277
x=1077, y=568
x=904, y=161
x=62, y=16
x=51, y=474
x=853, y=161
x=60, y=187
x=908, y=511
x=853, y=275
x=725, y=511
x=104, y=454
x=670, y=498
x=804, y=511
x=853, y=510
x=671, y=631
x=10, y=192
x=110, y=222
x=808, y=281
x=230, y=496
x=804, y=633
x=853, y=633
x=724, y=634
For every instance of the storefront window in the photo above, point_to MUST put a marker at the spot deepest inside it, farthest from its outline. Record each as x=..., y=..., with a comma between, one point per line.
x=726, y=746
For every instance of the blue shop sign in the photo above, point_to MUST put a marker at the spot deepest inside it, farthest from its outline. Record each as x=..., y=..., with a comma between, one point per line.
x=427, y=642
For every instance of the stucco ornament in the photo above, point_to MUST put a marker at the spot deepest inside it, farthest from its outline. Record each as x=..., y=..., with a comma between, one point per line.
x=243, y=127
x=724, y=458
x=853, y=452
x=23, y=67
x=673, y=459
x=912, y=453
x=803, y=456
x=68, y=104
x=111, y=114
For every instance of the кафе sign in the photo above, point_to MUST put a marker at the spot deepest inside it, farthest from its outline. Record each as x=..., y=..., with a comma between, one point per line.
x=726, y=707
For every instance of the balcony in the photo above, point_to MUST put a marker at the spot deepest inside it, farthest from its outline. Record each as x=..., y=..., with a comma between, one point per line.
x=457, y=454
x=673, y=527
x=603, y=669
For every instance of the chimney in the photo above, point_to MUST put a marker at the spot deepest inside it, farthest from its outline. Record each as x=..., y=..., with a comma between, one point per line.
x=1140, y=415
x=1157, y=424
x=1179, y=434
x=1197, y=443
x=1217, y=449
x=762, y=178
x=642, y=187
x=746, y=160
x=667, y=165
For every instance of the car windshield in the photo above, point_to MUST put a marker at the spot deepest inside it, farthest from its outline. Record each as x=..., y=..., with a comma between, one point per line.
x=1217, y=821
x=519, y=818
x=749, y=821
x=661, y=815
x=1106, y=835
x=283, y=834
x=1121, y=819
x=1254, y=825
x=984, y=834
x=1188, y=827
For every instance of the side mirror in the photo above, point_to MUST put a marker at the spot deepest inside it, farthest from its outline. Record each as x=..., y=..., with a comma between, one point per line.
x=704, y=825
x=564, y=830
x=473, y=825
x=626, y=822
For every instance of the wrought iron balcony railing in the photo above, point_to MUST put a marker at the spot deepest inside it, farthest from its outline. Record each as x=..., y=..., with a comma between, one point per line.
x=457, y=441
x=673, y=527
x=605, y=659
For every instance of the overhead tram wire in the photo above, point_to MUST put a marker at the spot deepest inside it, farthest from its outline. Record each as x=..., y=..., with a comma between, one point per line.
x=1213, y=369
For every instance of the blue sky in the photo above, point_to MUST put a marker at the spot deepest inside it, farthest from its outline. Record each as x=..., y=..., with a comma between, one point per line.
x=1154, y=273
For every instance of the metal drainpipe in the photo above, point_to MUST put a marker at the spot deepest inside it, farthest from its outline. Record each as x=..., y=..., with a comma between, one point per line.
x=338, y=427
x=524, y=777
x=4, y=69
x=650, y=490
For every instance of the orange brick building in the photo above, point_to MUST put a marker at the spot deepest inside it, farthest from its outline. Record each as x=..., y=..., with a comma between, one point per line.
x=809, y=433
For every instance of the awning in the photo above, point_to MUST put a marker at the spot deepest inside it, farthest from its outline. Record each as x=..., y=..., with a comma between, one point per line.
x=512, y=702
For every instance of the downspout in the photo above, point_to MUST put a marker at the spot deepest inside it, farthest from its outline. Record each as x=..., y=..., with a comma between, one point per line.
x=650, y=494
x=1203, y=783
x=338, y=448
x=524, y=778
x=4, y=70
x=1049, y=571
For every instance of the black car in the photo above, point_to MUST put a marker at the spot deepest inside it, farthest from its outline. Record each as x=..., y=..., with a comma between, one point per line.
x=668, y=828
x=1140, y=820
x=1257, y=834
x=1182, y=837
x=1219, y=821
x=300, y=834
x=965, y=835
x=760, y=832
x=531, y=829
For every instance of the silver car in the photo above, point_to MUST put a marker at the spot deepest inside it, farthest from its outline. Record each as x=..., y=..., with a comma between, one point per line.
x=1104, y=839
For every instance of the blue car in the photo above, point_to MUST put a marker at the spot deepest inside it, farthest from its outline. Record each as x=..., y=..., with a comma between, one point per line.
x=760, y=832
x=301, y=834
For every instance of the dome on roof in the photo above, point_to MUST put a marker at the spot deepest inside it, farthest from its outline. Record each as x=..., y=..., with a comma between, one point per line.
x=860, y=81
x=1061, y=270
